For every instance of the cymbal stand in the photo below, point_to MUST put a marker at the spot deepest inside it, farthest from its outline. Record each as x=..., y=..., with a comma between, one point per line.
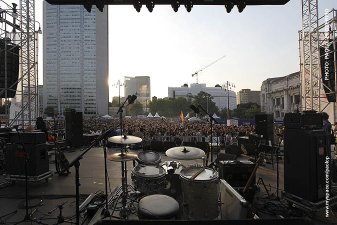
x=124, y=212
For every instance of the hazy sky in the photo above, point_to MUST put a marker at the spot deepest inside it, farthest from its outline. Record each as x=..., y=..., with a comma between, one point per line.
x=259, y=43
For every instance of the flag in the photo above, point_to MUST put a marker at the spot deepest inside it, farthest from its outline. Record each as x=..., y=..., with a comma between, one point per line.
x=182, y=118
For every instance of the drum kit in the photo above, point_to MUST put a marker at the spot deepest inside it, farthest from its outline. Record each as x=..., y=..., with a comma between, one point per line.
x=198, y=184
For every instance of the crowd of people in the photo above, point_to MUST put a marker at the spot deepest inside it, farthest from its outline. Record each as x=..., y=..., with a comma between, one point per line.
x=149, y=129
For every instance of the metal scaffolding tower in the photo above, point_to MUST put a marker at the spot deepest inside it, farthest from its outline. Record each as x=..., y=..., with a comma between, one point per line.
x=24, y=107
x=316, y=33
x=310, y=65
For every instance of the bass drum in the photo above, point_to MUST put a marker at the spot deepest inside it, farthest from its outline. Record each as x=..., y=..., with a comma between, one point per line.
x=201, y=194
x=148, y=179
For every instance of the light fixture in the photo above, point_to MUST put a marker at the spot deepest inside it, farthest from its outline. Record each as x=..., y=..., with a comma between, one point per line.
x=188, y=5
x=87, y=7
x=241, y=6
x=100, y=6
x=137, y=4
x=229, y=6
x=175, y=5
x=39, y=31
x=150, y=5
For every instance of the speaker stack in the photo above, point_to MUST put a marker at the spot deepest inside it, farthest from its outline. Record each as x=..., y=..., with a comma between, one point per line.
x=27, y=144
x=74, y=128
x=264, y=125
x=305, y=149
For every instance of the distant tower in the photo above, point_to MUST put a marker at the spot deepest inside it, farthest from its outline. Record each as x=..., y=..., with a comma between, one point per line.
x=75, y=67
x=139, y=85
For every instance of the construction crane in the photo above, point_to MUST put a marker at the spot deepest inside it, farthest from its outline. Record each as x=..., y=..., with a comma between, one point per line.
x=196, y=74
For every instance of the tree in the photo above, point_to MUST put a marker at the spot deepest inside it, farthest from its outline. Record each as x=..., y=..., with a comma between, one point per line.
x=247, y=110
x=136, y=109
x=49, y=111
x=205, y=100
x=169, y=107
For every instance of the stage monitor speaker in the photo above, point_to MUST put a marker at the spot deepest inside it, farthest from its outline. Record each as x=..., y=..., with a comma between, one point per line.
x=304, y=163
x=9, y=61
x=264, y=125
x=37, y=159
x=74, y=128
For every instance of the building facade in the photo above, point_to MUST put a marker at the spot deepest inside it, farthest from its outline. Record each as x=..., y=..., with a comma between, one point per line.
x=75, y=66
x=246, y=95
x=281, y=95
x=221, y=97
x=140, y=86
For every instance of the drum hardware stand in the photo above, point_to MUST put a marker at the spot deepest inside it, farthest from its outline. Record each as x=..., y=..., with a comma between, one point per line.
x=124, y=212
x=60, y=217
x=260, y=181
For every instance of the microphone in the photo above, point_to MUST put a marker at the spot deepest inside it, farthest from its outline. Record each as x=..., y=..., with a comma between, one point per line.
x=131, y=99
x=195, y=109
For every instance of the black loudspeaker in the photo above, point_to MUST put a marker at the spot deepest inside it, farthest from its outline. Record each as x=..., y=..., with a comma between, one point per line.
x=74, y=128
x=264, y=125
x=28, y=137
x=9, y=56
x=236, y=173
x=304, y=163
x=37, y=159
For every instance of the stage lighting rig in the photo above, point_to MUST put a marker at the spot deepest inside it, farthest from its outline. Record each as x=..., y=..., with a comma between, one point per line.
x=229, y=6
x=175, y=5
x=188, y=5
x=150, y=5
x=241, y=6
x=137, y=4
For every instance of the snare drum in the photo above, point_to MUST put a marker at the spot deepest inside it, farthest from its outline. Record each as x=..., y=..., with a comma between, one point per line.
x=148, y=179
x=200, y=195
x=149, y=158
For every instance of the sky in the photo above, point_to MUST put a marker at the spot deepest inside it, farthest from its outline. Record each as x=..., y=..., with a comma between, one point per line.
x=259, y=43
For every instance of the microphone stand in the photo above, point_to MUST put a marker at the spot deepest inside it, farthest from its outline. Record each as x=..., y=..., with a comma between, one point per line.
x=76, y=164
x=211, y=119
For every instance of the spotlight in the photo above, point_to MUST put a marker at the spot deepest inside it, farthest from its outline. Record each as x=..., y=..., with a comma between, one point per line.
x=150, y=5
x=175, y=5
x=229, y=6
x=241, y=6
x=188, y=5
x=100, y=6
x=137, y=5
x=87, y=7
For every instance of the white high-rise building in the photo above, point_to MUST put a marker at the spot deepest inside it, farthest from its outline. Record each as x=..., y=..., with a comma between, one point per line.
x=75, y=65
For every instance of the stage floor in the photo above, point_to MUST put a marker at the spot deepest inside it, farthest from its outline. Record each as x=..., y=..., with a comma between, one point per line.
x=46, y=197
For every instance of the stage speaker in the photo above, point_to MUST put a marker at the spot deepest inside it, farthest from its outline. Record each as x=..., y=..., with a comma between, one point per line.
x=9, y=61
x=28, y=137
x=305, y=152
x=264, y=125
x=74, y=128
x=37, y=159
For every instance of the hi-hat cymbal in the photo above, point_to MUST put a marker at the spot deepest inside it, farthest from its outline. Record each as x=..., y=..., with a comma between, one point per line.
x=122, y=157
x=125, y=139
x=185, y=152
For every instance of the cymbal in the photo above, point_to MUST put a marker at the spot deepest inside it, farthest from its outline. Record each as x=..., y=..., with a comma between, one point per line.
x=126, y=139
x=185, y=152
x=122, y=157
